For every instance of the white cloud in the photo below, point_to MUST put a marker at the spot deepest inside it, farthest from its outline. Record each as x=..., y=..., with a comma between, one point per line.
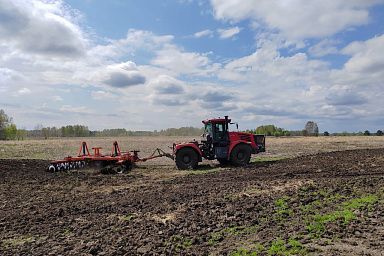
x=43, y=28
x=57, y=98
x=299, y=18
x=102, y=95
x=228, y=33
x=203, y=33
x=135, y=39
x=76, y=110
x=323, y=48
x=23, y=91
x=366, y=57
x=123, y=75
x=179, y=62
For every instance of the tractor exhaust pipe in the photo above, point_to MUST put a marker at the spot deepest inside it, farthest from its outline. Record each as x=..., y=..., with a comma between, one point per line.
x=226, y=122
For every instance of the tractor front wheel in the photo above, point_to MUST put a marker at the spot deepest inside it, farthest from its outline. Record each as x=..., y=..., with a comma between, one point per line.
x=186, y=158
x=241, y=155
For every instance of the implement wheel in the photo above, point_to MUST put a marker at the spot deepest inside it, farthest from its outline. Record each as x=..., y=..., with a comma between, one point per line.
x=241, y=155
x=186, y=158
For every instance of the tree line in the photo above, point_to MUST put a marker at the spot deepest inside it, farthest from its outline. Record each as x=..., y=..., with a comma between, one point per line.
x=83, y=131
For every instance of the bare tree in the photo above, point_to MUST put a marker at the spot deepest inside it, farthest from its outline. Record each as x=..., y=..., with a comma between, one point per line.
x=311, y=128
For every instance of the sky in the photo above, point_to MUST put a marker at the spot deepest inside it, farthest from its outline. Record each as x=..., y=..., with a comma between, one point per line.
x=146, y=65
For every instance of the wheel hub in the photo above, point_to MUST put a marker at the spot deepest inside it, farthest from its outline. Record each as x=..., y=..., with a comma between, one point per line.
x=186, y=159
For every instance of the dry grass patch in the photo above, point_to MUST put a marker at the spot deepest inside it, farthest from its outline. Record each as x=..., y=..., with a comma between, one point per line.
x=252, y=191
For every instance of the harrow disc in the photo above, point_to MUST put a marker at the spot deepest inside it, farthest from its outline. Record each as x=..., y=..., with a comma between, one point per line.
x=52, y=168
x=66, y=166
x=115, y=169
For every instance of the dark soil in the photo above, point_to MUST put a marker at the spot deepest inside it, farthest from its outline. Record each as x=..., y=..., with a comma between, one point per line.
x=234, y=210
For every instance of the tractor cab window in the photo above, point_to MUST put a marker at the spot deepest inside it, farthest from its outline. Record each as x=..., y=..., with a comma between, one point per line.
x=219, y=131
x=208, y=129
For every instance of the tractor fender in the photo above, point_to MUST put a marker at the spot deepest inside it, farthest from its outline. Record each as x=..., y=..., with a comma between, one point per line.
x=192, y=145
x=233, y=145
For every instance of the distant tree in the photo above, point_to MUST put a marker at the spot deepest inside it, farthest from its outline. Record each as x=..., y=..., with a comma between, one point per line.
x=379, y=133
x=45, y=132
x=367, y=133
x=271, y=130
x=5, y=120
x=21, y=134
x=326, y=133
x=10, y=132
x=311, y=128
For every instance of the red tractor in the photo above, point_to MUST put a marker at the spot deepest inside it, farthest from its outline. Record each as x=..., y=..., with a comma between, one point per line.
x=219, y=143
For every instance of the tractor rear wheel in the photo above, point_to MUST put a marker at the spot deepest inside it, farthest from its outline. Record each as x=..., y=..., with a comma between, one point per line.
x=223, y=161
x=186, y=158
x=241, y=155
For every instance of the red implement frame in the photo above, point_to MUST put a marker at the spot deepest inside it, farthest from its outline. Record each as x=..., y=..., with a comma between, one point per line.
x=117, y=158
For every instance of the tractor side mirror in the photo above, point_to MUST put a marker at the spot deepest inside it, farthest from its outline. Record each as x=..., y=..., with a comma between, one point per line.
x=237, y=126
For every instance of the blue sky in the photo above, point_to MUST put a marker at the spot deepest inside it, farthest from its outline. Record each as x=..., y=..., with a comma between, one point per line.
x=145, y=65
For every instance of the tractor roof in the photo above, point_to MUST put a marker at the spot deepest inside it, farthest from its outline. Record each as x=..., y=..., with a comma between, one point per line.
x=216, y=120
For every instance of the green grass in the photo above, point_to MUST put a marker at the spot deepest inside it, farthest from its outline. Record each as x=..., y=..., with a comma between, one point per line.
x=16, y=241
x=345, y=214
x=282, y=209
x=275, y=247
x=362, y=202
x=267, y=159
x=67, y=232
x=203, y=169
x=179, y=242
x=341, y=212
x=244, y=252
x=127, y=217
x=219, y=236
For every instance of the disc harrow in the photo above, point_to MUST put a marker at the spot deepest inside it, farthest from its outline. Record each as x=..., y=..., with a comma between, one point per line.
x=116, y=162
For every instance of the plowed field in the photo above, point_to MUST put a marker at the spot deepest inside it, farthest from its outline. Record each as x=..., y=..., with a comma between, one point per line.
x=323, y=204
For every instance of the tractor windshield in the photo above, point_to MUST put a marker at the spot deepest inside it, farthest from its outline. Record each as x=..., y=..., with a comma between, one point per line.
x=208, y=129
x=217, y=131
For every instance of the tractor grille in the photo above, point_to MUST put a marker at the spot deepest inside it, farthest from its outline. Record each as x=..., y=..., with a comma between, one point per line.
x=245, y=137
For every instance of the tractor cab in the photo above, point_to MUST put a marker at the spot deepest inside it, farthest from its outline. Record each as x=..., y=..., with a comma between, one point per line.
x=216, y=138
x=216, y=131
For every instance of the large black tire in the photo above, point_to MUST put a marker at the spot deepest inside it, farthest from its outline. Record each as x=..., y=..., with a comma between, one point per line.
x=223, y=161
x=241, y=155
x=186, y=158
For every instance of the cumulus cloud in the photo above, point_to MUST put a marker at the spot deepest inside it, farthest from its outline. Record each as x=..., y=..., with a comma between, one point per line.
x=123, y=75
x=43, y=28
x=124, y=79
x=57, y=98
x=24, y=91
x=366, y=57
x=175, y=59
x=168, y=91
x=297, y=19
x=102, y=95
x=214, y=99
x=134, y=40
x=229, y=32
x=323, y=48
x=167, y=85
x=344, y=96
x=82, y=110
x=203, y=33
